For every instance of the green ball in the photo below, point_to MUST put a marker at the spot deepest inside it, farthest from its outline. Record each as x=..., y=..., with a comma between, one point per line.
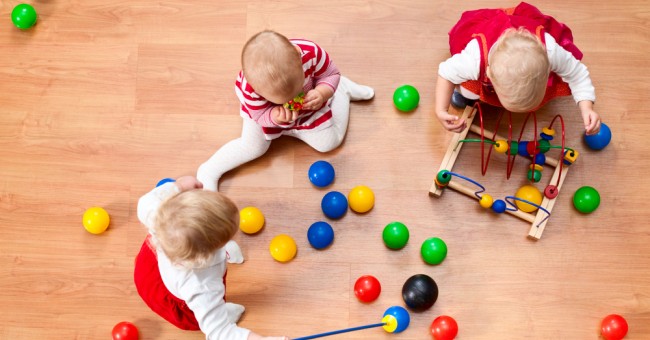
x=395, y=235
x=24, y=16
x=586, y=199
x=433, y=250
x=406, y=98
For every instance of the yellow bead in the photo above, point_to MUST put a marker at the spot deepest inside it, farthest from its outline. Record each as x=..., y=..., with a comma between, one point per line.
x=390, y=323
x=530, y=194
x=251, y=220
x=571, y=156
x=501, y=146
x=486, y=201
x=548, y=131
x=96, y=220
x=537, y=167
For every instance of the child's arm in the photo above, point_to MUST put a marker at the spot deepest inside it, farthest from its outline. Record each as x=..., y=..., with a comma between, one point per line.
x=575, y=73
x=326, y=75
x=444, y=90
x=262, y=111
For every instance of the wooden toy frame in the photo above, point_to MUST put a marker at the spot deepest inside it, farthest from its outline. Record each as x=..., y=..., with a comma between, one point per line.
x=538, y=219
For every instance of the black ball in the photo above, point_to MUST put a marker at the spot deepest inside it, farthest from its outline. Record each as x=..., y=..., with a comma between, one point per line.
x=420, y=292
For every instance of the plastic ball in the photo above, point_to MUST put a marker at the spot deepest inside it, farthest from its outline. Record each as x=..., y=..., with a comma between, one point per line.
x=433, y=250
x=395, y=235
x=613, y=327
x=396, y=319
x=334, y=204
x=320, y=235
x=283, y=248
x=444, y=328
x=164, y=180
x=601, y=139
x=406, y=98
x=499, y=206
x=486, y=201
x=361, y=199
x=367, y=288
x=321, y=174
x=586, y=199
x=530, y=194
x=24, y=16
x=96, y=220
x=420, y=292
x=125, y=331
x=251, y=220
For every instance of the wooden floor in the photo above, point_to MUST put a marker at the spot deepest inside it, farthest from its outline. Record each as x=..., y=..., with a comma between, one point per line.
x=101, y=99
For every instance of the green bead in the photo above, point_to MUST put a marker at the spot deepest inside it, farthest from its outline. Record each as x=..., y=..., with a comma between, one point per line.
x=395, y=235
x=23, y=16
x=544, y=145
x=433, y=250
x=514, y=148
x=443, y=177
x=586, y=199
x=537, y=175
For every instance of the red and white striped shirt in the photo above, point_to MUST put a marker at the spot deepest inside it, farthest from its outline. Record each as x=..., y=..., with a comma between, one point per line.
x=318, y=69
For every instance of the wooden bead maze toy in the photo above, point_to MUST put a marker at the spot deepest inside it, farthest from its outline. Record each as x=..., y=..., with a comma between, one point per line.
x=529, y=204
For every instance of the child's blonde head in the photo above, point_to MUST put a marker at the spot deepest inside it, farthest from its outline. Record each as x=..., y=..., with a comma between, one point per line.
x=519, y=70
x=273, y=66
x=192, y=225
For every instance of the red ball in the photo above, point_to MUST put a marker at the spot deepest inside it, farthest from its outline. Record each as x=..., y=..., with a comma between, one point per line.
x=613, y=327
x=444, y=328
x=367, y=288
x=125, y=331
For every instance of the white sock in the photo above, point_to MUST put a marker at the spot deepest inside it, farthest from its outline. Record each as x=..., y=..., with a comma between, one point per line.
x=356, y=91
x=234, y=311
x=233, y=252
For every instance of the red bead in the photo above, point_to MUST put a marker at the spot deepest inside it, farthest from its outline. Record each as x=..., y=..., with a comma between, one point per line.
x=551, y=191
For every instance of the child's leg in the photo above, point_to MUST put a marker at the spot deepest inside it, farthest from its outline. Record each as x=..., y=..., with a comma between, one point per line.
x=246, y=148
x=154, y=293
x=329, y=138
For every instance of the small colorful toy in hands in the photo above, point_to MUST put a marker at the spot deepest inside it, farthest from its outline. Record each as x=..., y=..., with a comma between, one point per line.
x=295, y=104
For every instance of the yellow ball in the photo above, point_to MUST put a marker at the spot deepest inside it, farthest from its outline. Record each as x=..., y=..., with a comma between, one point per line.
x=530, y=194
x=251, y=220
x=361, y=199
x=283, y=248
x=96, y=220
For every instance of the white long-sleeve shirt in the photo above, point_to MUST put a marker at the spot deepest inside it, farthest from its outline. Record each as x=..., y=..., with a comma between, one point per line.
x=202, y=289
x=466, y=65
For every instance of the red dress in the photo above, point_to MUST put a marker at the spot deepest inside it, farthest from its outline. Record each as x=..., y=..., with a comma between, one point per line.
x=487, y=25
x=151, y=288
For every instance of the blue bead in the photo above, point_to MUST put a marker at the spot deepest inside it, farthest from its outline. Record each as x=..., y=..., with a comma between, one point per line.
x=321, y=173
x=523, y=149
x=601, y=139
x=499, y=206
x=320, y=235
x=540, y=159
x=334, y=204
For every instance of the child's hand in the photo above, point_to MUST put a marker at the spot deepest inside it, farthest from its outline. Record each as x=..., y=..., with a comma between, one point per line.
x=451, y=122
x=282, y=116
x=590, y=117
x=314, y=100
x=188, y=183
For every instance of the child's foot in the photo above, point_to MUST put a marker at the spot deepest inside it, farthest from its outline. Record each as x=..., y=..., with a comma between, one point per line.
x=356, y=91
x=234, y=311
x=233, y=252
x=459, y=101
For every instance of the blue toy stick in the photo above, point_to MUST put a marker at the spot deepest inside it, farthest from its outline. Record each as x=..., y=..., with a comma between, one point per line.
x=341, y=331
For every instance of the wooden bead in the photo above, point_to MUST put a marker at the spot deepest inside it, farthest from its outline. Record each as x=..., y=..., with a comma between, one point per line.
x=548, y=131
x=501, y=146
x=486, y=201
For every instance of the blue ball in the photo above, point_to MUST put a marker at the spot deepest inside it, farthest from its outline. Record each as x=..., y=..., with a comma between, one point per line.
x=601, y=139
x=499, y=206
x=321, y=173
x=320, y=235
x=401, y=315
x=165, y=180
x=334, y=204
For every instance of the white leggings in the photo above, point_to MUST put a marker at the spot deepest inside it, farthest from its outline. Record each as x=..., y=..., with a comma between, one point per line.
x=252, y=144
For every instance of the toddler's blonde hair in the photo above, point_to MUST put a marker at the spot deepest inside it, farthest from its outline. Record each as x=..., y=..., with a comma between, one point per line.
x=519, y=70
x=192, y=225
x=273, y=66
